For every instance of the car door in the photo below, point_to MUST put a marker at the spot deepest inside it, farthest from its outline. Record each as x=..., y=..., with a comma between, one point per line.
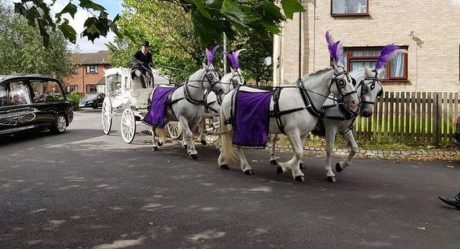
x=16, y=111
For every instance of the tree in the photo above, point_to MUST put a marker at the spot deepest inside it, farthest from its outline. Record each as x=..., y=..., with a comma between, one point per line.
x=22, y=47
x=168, y=28
x=210, y=18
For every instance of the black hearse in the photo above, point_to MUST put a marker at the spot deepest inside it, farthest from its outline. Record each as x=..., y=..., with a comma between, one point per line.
x=33, y=102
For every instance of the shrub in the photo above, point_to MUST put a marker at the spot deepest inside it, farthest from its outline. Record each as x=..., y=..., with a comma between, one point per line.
x=74, y=98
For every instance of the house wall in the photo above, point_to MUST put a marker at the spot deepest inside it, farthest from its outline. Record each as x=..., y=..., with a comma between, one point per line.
x=432, y=67
x=82, y=79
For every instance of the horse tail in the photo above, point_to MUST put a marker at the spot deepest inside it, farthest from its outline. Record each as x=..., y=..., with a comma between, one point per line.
x=228, y=152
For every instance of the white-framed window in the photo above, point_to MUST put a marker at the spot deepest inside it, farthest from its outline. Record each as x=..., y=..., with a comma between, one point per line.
x=91, y=88
x=72, y=88
x=91, y=69
x=349, y=7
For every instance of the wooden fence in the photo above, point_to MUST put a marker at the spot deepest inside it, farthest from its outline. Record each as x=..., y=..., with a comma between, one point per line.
x=411, y=118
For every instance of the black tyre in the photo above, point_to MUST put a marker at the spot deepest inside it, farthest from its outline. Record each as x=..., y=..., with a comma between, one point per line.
x=60, y=124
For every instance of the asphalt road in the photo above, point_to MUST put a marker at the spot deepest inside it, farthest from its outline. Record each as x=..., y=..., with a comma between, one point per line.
x=86, y=190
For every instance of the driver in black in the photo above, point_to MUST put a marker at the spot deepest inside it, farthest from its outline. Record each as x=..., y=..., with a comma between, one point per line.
x=141, y=65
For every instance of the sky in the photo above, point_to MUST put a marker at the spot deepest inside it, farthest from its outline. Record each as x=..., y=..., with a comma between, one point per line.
x=83, y=45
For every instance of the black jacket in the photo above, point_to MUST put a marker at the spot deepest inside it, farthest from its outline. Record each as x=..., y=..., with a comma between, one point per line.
x=140, y=58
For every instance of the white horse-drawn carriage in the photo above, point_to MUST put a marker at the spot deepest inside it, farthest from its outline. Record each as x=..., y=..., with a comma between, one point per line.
x=125, y=97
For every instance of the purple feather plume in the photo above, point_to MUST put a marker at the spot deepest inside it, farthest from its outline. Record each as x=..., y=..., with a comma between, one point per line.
x=386, y=54
x=329, y=39
x=335, y=48
x=210, y=54
x=233, y=57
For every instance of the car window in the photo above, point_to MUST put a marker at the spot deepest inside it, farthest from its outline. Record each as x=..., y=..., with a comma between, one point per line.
x=46, y=91
x=18, y=93
x=3, y=96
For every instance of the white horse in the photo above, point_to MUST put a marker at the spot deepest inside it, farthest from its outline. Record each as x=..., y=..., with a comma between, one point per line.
x=213, y=101
x=300, y=106
x=337, y=119
x=368, y=89
x=186, y=105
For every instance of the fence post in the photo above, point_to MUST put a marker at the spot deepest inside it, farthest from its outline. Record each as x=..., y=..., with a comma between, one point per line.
x=437, y=122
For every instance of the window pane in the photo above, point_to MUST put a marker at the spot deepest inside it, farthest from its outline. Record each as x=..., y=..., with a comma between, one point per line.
x=349, y=6
x=397, y=66
x=19, y=93
x=3, y=96
x=46, y=91
x=355, y=65
x=366, y=53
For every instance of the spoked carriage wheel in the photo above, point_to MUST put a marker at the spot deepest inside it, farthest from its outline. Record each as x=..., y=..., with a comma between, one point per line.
x=128, y=125
x=106, y=114
x=174, y=130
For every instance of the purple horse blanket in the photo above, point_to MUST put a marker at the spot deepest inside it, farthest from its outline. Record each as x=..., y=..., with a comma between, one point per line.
x=251, y=119
x=158, y=106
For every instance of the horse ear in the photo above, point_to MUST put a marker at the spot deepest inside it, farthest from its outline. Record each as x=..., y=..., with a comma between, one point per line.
x=368, y=71
x=232, y=70
x=334, y=66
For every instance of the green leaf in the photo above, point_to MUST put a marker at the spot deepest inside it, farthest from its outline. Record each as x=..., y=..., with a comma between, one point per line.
x=68, y=31
x=88, y=4
x=232, y=11
x=290, y=7
x=69, y=8
x=201, y=7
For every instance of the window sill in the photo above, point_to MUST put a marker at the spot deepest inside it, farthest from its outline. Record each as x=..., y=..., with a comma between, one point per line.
x=362, y=15
x=395, y=81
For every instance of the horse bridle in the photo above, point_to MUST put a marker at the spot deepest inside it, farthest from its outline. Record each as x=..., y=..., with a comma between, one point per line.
x=340, y=83
x=369, y=86
x=209, y=77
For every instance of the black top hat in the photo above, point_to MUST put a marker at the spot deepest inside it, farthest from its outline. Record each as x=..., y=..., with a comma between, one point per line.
x=146, y=43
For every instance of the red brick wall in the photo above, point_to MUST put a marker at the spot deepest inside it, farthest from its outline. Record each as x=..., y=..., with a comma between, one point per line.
x=82, y=78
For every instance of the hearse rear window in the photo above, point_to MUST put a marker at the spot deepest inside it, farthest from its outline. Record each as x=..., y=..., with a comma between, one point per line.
x=46, y=91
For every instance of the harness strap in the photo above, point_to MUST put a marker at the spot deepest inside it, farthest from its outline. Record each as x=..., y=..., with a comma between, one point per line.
x=307, y=101
x=189, y=98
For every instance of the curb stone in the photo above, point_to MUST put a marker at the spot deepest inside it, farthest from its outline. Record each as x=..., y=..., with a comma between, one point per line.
x=423, y=154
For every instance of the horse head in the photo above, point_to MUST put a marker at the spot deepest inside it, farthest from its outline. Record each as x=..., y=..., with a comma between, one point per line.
x=211, y=80
x=342, y=84
x=343, y=87
x=369, y=88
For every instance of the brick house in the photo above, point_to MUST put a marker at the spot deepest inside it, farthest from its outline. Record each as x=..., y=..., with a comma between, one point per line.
x=427, y=29
x=89, y=72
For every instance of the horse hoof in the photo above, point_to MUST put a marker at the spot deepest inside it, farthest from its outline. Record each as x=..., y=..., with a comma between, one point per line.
x=300, y=178
x=331, y=179
x=273, y=162
x=279, y=170
x=194, y=156
x=224, y=166
x=301, y=166
x=160, y=143
x=184, y=146
x=155, y=148
x=338, y=168
x=203, y=142
x=249, y=172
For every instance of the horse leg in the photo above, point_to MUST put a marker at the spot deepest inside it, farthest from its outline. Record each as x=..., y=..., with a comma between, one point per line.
x=330, y=140
x=154, y=140
x=245, y=167
x=202, y=131
x=354, y=149
x=293, y=164
x=161, y=135
x=188, y=135
x=273, y=137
